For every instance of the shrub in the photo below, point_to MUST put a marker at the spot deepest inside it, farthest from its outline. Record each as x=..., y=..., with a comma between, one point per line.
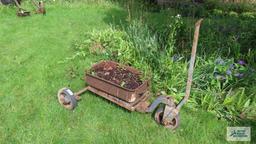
x=217, y=12
x=223, y=87
x=233, y=14
x=249, y=15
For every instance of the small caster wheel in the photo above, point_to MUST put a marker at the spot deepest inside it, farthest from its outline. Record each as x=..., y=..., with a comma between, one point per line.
x=159, y=119
x=67, y=99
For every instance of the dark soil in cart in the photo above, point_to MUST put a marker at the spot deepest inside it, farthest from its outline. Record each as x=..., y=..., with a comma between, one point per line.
x=119, y=76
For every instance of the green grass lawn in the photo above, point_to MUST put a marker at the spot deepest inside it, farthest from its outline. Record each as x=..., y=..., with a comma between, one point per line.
x=31, y=75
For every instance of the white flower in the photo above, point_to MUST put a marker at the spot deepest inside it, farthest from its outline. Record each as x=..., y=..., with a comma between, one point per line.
x=178, y=16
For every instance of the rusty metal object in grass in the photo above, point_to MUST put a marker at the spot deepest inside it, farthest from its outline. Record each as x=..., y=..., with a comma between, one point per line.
x=128, y=95
x=136, y=99
x=65, y=96
x=21, y=12
x=171, y=112
x=127, y=105
x=40, y=7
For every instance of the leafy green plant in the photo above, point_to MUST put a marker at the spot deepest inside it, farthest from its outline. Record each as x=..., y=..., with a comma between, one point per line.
x=248, y=15
x=223, y=87
x=217, y=12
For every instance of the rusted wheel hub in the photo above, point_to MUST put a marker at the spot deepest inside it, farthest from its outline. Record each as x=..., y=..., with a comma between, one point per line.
x=159, y=119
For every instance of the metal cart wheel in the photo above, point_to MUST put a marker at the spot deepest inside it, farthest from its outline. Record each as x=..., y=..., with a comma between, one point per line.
x=67, y=99
x=159, y=119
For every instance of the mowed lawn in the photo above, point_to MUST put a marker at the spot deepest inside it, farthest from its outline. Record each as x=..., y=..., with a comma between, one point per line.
x=30, y=76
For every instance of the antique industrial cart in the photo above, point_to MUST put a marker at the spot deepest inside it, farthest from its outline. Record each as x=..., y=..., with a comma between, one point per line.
x=166, y=110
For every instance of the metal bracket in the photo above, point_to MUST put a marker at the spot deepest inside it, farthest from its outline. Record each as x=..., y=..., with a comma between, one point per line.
x=169, y=114
x=161, y=100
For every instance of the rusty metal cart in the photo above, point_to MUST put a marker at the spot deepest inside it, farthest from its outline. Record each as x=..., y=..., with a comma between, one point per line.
x=166, y=111
x=21, y=12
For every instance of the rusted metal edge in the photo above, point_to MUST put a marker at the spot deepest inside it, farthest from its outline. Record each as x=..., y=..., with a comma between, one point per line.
x=133, y=70
x=130, y=90
x=126, y=105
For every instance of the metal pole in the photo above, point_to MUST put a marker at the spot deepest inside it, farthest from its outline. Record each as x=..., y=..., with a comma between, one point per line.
x=17, y=4
x=191, y=65
x=81, y=91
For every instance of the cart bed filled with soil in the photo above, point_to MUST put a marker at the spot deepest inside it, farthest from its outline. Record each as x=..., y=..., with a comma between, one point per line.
x=118, y=75
x=117, y=80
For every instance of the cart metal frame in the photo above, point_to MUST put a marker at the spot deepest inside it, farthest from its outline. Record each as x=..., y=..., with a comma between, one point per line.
x=166, y=111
